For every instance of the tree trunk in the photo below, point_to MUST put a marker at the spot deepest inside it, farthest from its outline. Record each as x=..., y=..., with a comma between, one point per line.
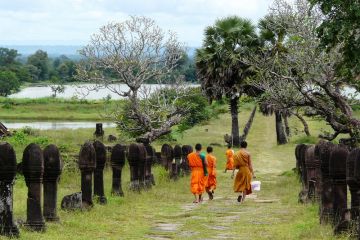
x=287, y=128
x=302, y=120
x=248, y=125
x=234, y=121
x=280, y=133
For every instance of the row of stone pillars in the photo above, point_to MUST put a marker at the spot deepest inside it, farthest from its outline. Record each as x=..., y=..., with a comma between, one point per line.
x=325, y=171
x=92, y=160
x=175, y=160
x=39, y=168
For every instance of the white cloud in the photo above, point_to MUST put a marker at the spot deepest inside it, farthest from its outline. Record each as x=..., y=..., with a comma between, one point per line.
x=73, y=21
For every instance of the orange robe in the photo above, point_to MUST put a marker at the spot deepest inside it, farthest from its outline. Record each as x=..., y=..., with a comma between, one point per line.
x=197, y=184
x=243, y=177
x=211, y=181
x=230, y=159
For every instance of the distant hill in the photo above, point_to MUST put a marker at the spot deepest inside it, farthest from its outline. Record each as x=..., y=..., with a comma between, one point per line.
x=53, y=51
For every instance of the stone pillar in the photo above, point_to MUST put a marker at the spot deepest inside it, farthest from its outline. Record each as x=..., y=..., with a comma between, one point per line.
x=87, y=164
x=100, y=151
x=7, y=176
x=52, y=172
x=166, y=156
x=133, y=158
x=117, y=164
x=337, y=171
x=142, y=165
x=186, y=149
x=313, y=173
x=99, y=132
x=149, y=178
x=303, y=195
x=352, y=181
x=177, y=161
x=33, y=169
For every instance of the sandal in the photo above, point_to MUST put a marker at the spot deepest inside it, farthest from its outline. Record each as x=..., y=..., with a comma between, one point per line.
x=239, y=198
x=195, y=201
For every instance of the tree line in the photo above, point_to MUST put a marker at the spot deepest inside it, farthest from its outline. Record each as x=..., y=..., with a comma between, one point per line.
x=40, y=68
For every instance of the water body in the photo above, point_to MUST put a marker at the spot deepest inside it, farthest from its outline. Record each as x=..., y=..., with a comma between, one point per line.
x=53, y=125
x=84, y=91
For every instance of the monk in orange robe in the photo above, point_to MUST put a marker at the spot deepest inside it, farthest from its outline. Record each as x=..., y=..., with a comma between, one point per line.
x=229, y=159
x=242, y=182
x=211, y=167
x=198, y=178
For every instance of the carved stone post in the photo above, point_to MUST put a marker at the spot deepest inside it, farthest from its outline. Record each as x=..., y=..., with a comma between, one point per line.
x=175, y=170
x=87, y=164
x=327, y=194
x=52, y=172
x=354, y=185
x=133, y=158
x=337, y=170
x=100, y=151
x=166, y=156
x=142, y=165
x=150, y=156
x=33, y=169
x=117, y=164
x=186, y=149
x=99, y=132
x=7, y=176
x=312, y=163
x=303, y=195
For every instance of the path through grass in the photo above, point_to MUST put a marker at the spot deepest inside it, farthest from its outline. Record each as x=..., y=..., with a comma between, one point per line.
x=166, y=211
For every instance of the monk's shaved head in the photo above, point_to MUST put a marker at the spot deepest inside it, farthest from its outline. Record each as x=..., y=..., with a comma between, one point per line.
x=198, y=147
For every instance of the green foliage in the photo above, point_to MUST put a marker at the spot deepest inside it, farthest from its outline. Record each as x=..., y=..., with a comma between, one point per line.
x=26, y=136
x=198, y=109
x=341, y=28
x=220, y=63
x=8, y=56
x=40, y=60
x=8, y=82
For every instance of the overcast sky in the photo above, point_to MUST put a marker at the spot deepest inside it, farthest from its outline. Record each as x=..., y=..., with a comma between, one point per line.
x=71, y=22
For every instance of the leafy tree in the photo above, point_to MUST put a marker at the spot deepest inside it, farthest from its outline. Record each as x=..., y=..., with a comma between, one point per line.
x=41, y=61
x=303, y=76
x=134, y=52
x=222, y=64
x=340, y=28
x=8, y=56
x=8, y=82
x=57, y=86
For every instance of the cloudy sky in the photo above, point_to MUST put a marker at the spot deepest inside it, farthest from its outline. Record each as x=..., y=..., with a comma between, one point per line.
x=71, y=22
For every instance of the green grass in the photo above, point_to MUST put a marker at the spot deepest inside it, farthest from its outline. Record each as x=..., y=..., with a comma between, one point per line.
x=136, y=216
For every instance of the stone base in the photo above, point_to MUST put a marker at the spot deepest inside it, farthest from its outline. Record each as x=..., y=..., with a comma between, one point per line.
x=72, y=201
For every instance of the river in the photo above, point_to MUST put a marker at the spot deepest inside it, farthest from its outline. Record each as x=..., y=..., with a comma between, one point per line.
x=53, y=125
x=82, y=91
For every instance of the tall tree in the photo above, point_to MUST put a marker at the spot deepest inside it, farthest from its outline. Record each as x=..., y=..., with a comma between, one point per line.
x=8, y=82
x=134, y=52
x=8, y=56
x=222, y=62
x=41, y=61
x=305, y=76
x=341, y=28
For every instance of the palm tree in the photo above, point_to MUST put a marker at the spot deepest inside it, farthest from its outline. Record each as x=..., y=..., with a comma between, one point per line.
x=272, y=36
x=222, y=65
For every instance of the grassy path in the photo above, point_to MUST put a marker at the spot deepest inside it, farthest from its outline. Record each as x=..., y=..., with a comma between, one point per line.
x=166, y=211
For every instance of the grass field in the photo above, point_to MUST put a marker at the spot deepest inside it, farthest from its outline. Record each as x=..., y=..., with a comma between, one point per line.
x=52, y=109
x=166, y=211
